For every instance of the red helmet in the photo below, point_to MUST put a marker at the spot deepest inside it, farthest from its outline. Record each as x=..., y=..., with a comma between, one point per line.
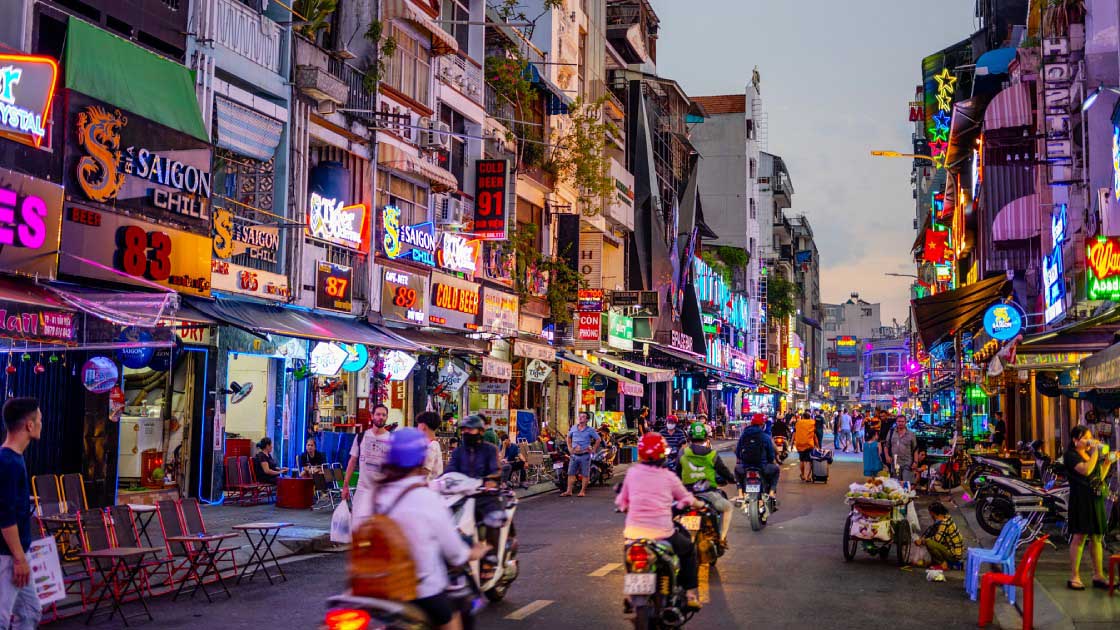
x=652, y=447
x=758, y=419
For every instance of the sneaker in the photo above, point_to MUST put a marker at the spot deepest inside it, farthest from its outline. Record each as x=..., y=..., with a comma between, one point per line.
x=693, y=602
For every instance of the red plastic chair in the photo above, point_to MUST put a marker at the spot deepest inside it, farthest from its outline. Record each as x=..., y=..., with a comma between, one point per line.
x=1023, y=578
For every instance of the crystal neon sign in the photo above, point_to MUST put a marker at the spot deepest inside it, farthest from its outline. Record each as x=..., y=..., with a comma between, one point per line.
x=1103, y=257
x=1053, y=267
x=27, y=85
x=331, y=220
x=939, y=131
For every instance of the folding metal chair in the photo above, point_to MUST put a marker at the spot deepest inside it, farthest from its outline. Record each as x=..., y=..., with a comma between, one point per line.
x=48, y=495
x=125, y=534
x=74, y=493
x=192, y=519
x=178, y=554
x=248, y=478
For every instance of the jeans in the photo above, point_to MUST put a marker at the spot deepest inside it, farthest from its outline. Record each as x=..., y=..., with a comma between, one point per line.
x=19, y=607
x=721, y=505
x=688, y=577
x=844, y=440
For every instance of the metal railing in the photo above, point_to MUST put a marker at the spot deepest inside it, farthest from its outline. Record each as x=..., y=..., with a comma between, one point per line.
x=462, y=74
x=241, y=29
x=359, y=97
x=500, y=107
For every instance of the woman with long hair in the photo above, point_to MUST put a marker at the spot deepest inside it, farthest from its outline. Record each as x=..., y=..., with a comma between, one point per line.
x=1087, y=462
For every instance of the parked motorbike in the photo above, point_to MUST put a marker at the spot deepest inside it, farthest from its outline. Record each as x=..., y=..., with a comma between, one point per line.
x=704, y=525
x=1000, y=499
x=602, y=464
x=560, y=460
x=758, y=504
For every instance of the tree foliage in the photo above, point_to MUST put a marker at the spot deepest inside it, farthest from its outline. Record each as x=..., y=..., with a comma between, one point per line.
x=564, y=282
x=316, y=16
x=383, y=47
x=781, y=297
x=579, y=154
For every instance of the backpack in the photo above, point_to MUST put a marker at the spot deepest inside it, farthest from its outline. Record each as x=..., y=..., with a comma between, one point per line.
x=804, y=435
x=381, y=564
x=752, y=450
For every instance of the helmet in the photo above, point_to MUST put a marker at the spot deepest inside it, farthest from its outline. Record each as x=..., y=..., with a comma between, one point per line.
x=473, y=421
x=698, y=431
x=670, y=418
x=652, y=447
x=407, y=448
x=758, y=419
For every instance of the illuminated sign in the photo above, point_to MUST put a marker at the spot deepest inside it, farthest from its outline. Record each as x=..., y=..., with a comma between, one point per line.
x=234, y=238
x=1053, y=267
x=1003, y=321
x=416, y=243
x=110, y=247
x=334, y=287
x=939, y=132
x=499, y=312
x=1058, y=71
x=458, y=254
x=590, y=300
x=454, y=303
x=30, y=217
x=327, y=358
x=27, y=85
x=491, y=199
x=357, y=356
x=620, y=331
x=331, y=220
x=1103, y=257
x=226, y=276
x=398, y=365
x=404, y=297
x=1115, y=162
x=29, y=323
x=589, y=324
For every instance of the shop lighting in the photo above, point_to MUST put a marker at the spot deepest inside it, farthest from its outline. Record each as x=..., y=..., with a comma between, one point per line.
x=1091, y=99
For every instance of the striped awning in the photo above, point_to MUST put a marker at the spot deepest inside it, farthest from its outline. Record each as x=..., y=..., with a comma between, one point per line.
x=442, y=42
x=1017, y=220
x=394, y=157
x=1009, y=108
x=245, y=131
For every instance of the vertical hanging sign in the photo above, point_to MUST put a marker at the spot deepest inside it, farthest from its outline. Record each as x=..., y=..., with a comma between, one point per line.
x=1057, y=84
x=491, y=199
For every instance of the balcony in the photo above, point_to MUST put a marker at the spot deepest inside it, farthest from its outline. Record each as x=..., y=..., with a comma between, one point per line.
x=499, y=107
x=240, y=29
x=312, y=76
x=462, y=75
x=358, y=97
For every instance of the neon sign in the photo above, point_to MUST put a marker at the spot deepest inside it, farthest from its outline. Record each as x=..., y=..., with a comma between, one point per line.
x=458, y=254
x=1115, y=162
x=1003, y=321
x=1103, y=256
x=27, y=85
x=420, y=239
x=939, y=132
x=331, y=220
x=1053, y=267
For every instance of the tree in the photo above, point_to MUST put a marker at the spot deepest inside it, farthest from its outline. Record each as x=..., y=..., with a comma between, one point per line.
x=579, y=154
x=781, y=298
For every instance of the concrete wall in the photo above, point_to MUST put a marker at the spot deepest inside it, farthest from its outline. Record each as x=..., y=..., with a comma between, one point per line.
x=722, y=143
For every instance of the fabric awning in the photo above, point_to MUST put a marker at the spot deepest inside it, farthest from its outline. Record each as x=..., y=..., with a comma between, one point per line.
x=442, y=41
x=995, y=61
x=394, y=157
x=963, y=128
x=945, y=313
x=119, y=72
x=1017, y=220
x=245, y=131
x=558, y=101
x=688, y=357
x=1102, y=370
x=1009, y=108
x=627, y=386
x=263, y=319
x=440, y=340
x=652, y=374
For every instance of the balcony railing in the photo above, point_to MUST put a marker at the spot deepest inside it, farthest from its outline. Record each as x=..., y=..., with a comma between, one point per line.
x=359, y=98
x=241, y=29
x=499, y=107
x=462, y=74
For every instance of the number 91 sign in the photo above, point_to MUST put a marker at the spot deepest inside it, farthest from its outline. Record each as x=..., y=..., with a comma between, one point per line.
x=333, y=290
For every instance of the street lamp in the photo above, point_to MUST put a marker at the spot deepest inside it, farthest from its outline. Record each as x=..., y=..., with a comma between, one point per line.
x=1091, y=98
x=896, y=154
x=900, y=275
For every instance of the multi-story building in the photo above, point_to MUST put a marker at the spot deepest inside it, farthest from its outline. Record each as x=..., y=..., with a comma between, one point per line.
x=847, y=327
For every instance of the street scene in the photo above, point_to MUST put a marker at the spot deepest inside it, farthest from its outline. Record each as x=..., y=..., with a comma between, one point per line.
x=468, y=314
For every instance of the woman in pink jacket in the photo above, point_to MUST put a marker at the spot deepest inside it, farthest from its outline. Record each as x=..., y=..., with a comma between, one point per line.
x=648, y=495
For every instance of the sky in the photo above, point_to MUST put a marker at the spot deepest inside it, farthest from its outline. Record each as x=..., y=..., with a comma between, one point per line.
x=837, y=78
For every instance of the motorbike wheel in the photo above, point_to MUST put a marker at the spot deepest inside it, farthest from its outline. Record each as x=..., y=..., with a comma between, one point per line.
x=596, y=477
x=993, y=511
x=498, y=593
x=645, y=618
x=902, y=543
x=755, y=514
x=850, y=544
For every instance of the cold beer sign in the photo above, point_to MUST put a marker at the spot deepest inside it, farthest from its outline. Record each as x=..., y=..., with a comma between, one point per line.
x=491, y=199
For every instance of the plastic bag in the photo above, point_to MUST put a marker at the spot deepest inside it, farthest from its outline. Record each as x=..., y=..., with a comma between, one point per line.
x=340, y=524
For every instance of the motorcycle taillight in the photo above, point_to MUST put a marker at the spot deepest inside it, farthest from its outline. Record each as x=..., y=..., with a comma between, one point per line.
x=346, y=619
x=638, y=558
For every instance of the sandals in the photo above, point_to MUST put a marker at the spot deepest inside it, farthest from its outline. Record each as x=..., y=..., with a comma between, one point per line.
x=1101, y=584
x=1074, y=587
x=565, y=494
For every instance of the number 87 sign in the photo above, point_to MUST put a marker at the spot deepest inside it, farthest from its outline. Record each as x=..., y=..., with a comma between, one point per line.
x=491, y=199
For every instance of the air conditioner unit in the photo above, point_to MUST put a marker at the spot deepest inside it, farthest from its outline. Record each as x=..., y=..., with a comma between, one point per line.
x=324, y=108
x=449, y=211
x=435, y=134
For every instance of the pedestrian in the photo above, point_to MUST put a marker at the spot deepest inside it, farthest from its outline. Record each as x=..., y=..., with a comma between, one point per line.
x=872, y=463
x=857, y=432
x=845, y=440
x=818, y=427
x=428, y=422
x=805, y=440
x=1087, y=462
x=999, y=430
x=582, y=441
x=19, y=605
x=900, y=447
x=366, y=455
x=942, y=538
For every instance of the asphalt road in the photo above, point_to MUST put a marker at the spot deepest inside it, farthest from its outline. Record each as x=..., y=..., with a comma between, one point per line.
x=789, y=575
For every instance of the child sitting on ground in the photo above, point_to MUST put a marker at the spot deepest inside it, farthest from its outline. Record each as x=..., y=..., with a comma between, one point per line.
x=942, y=538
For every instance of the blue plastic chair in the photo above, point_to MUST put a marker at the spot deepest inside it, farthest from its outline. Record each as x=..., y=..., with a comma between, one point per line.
x=1002, y=554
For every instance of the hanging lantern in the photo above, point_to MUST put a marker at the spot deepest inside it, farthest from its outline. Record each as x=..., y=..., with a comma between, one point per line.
x=40, y=368
x=11, y=369
x=54, y=358
x=26, y=356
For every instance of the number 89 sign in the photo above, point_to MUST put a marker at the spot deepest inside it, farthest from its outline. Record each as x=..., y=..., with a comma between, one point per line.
x=333, y=288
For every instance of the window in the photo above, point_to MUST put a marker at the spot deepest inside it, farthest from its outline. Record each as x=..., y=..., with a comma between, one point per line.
x=244, y=186
x=753, y=211
x=409, y=69
x=754, y=167
x=411, y=198
x=457, y=11
x=866, y=312
x=582, y=63
x=455, y=159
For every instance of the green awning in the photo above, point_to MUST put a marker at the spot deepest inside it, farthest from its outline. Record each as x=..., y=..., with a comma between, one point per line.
x=119, y=72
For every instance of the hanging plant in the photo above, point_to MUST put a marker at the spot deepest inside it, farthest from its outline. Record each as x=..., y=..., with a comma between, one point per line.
x=384, y=48
x=781, y=297
x=563, y=282
x=316, y=16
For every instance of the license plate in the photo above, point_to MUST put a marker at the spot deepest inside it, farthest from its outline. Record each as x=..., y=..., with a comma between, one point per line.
x=557, y=466
x=639, y=583
x=754, y=488
x=691, y=523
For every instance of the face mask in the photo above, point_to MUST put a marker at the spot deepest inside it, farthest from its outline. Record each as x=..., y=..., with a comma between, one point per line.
x=472, y=439
x=670, y=426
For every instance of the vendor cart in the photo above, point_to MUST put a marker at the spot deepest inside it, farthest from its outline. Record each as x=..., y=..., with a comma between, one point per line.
x=877, y=525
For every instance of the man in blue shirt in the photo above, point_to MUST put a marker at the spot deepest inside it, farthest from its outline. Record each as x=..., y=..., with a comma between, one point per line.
x=582, y=441
x=18, y=602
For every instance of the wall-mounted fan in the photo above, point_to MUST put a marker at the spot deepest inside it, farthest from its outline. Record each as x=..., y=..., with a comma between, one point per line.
x=239, y=392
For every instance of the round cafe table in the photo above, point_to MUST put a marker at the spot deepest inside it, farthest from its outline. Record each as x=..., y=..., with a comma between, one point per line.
x=295, y=493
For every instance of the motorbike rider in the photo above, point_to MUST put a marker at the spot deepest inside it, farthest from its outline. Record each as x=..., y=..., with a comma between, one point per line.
x=698, y=461
x=478, y=459
x=647, y=495
x=674, y=437
x=756, y=450
x=433, y=540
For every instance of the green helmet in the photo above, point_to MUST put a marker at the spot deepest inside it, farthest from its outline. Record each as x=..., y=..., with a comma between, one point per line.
x=698, y=431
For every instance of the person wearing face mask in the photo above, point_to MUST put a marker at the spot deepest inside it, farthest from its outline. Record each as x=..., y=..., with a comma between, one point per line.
x=478, y=459
x=367, y=455
x=674, y=437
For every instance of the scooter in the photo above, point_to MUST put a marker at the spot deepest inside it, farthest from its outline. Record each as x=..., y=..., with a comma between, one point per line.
x=704, y=525
x=602, y=466
x=758, y=505
x=353, y=612
x=1000, y=499
x=652, y=593
x=783, y=448
x=460, y=493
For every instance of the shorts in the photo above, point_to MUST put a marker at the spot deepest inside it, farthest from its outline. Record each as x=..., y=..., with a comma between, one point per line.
x=580, y=465
x=438, y=608
x=806, y=455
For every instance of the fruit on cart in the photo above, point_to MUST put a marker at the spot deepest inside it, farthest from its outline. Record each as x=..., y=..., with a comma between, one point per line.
x=157, y=475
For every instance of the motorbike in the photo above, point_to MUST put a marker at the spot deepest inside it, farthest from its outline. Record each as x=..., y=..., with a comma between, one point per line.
x=1000, y=499
x=602, y=464
x=783, y=448
x=560, y=459
x=653, y=594
x=758, y=505
x=353, y=612
x=704, y=525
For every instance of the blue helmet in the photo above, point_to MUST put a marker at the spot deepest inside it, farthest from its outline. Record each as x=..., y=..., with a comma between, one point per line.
x=407, y=448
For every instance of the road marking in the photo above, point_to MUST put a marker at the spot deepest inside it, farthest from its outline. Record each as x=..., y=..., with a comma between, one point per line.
x=529, y=609
x=605, y=569
x=703, y=575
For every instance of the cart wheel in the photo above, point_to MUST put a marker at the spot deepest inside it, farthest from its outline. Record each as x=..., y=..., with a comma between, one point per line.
x=850, y=543
x=902, y=540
